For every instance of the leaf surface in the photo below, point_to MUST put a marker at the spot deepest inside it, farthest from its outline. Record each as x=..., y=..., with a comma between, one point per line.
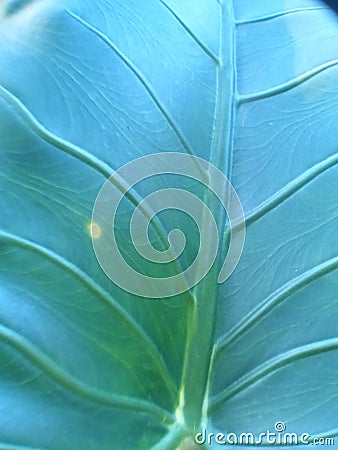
x=89, y=86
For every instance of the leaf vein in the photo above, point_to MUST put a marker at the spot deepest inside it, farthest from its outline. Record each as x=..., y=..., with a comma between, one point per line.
x=7, y=446
x=32, y=353
x=291, y=188
x=271, y=366
x=84, y=156
x=101, y=294
x=274, y=300
x=191, y=34
x=288, y=85
x=287, y=12
x=140, y=77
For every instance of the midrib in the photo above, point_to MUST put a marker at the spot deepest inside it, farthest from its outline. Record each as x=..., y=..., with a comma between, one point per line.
x=194, y=386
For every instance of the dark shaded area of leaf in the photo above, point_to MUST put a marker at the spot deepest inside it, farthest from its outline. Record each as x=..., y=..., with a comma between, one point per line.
x=333, y=4
x=15, y=5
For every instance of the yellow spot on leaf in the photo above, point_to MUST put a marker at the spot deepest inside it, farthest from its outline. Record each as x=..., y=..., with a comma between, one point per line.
x=94, y=230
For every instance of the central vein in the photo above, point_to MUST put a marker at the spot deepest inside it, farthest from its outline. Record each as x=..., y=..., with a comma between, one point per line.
x=202, y=309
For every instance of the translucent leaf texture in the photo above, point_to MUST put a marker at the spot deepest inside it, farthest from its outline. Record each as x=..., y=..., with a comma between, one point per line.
x=85, y=88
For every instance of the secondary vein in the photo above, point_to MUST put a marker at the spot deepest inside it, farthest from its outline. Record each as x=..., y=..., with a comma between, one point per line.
x=274, y=300
x=72, y=384
x=103, y=296
x=287, y=12
x=288, y=85
x=140, y=77
x=271, y=366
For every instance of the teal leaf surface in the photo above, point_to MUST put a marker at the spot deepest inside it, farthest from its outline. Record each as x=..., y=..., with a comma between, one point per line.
x=86, y=87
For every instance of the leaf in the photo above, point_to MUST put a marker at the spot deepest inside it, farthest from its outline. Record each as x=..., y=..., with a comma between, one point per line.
x=87, y=87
